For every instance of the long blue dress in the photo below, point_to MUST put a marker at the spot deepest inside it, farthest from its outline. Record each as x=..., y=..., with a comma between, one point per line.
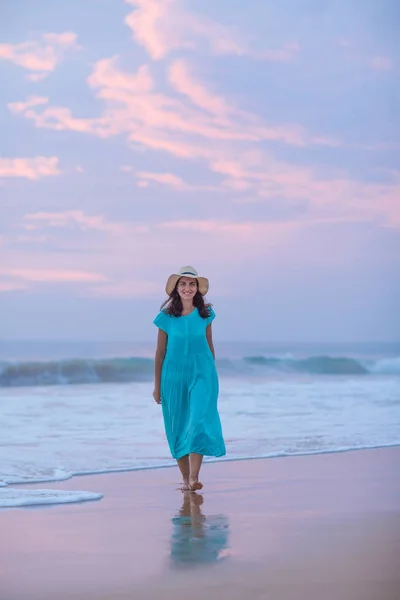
x=189, y=387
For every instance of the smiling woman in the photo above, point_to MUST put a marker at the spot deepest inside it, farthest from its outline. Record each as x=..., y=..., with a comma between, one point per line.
x=186, y=380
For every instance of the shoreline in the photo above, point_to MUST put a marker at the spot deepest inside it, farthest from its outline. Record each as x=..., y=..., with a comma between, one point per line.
x=312, y=526
x=205, y=462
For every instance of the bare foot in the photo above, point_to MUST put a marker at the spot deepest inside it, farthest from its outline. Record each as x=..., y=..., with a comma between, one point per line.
x=185, y=487
x=194, y=484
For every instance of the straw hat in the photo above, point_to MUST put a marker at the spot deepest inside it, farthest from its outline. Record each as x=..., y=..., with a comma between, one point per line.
x=187, y=272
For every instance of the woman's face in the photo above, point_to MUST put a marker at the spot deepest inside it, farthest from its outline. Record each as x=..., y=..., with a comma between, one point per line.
x=187, y=288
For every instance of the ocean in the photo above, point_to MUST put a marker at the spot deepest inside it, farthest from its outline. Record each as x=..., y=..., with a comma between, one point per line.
x=73, y=408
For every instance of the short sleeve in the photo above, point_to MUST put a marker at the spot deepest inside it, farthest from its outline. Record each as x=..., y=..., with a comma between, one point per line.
x=162, y=321
x=212, y=315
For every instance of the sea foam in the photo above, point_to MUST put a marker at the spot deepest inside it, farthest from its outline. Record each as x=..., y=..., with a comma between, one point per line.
x=11, y=497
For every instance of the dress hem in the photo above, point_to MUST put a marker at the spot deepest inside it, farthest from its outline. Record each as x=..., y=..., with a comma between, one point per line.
x=178, y=457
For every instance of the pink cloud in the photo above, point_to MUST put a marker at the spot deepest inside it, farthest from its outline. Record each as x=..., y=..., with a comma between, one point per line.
x=357, y=55
x=162, y=26
x=230, y=241
x=80, y=219
x=386, y=197
x=116, y=268
x=329, y=199
x=106, y=75
x=108, y=272
x=21, y=107
x=181, y=79
x=173, y=144
x=53, y=276
x=125, y=289
x=184, y=125
x=29, y=168
x=160, y=121
x=41, y=56
x=217, y=227
x=131, y=110
x=230, y=167
x=381, y=63
x=58, y=118
x=237, y=185
x=35, y=77
x=11, y=286
x=147, y=22
x=204, y=226
x=169, y=180
x=25, y=238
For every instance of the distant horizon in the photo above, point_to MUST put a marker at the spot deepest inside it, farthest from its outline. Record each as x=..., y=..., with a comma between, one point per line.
x=216, y=340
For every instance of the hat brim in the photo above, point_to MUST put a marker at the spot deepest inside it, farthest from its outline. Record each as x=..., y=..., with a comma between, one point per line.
x=203, y=284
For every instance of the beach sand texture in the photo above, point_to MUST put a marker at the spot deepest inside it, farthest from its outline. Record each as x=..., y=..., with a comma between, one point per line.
x=323, y=527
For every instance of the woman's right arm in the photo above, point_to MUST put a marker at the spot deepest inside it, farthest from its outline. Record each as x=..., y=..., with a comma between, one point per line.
x=158, y=363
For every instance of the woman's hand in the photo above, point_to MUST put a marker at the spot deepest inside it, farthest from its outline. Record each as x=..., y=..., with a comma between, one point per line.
x=157, y=396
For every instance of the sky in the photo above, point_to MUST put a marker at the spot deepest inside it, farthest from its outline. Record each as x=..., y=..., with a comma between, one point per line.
x=257, y=141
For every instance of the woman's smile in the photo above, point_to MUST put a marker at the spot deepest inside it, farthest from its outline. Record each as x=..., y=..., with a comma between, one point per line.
x=187, y=287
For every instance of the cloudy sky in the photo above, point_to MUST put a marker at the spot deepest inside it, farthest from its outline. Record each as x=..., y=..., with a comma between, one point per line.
x=256, y=140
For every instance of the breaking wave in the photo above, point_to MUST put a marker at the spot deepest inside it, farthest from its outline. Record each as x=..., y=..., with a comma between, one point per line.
x=120, y=370
x=67, y=372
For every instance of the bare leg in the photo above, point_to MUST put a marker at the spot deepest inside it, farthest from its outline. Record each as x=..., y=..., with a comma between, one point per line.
x=183, y=464
x=195, y=465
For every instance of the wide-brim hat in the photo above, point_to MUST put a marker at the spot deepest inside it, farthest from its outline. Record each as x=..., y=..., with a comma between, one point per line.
x=187, y=271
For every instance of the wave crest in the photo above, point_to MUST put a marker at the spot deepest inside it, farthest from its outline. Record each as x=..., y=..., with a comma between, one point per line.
x=122, y=370
x=317, y=365
x=67, y=372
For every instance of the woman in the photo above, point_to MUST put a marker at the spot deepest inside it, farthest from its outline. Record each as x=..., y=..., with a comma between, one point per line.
x=186, y=380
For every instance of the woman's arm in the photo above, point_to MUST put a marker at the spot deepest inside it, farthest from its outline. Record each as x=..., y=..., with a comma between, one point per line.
x=209, y=339
x=158, y=362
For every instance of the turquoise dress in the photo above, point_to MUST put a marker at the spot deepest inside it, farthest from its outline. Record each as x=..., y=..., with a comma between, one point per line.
x=189, y=387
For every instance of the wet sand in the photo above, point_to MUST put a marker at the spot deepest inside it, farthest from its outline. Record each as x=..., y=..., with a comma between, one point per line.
x=321, y=527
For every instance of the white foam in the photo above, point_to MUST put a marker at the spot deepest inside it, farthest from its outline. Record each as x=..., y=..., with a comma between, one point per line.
x=386, y=366
x=12, y=497
x=54, y=433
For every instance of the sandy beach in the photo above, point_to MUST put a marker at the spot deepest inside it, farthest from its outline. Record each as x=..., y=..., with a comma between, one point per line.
x=320, y=526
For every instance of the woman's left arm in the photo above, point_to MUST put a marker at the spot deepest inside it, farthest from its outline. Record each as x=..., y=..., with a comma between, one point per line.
x=209, y=339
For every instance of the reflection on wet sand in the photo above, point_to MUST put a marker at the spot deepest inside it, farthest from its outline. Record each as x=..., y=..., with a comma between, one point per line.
x=197, y=539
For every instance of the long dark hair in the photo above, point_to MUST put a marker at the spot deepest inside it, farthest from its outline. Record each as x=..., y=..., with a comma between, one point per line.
x=173, y=304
